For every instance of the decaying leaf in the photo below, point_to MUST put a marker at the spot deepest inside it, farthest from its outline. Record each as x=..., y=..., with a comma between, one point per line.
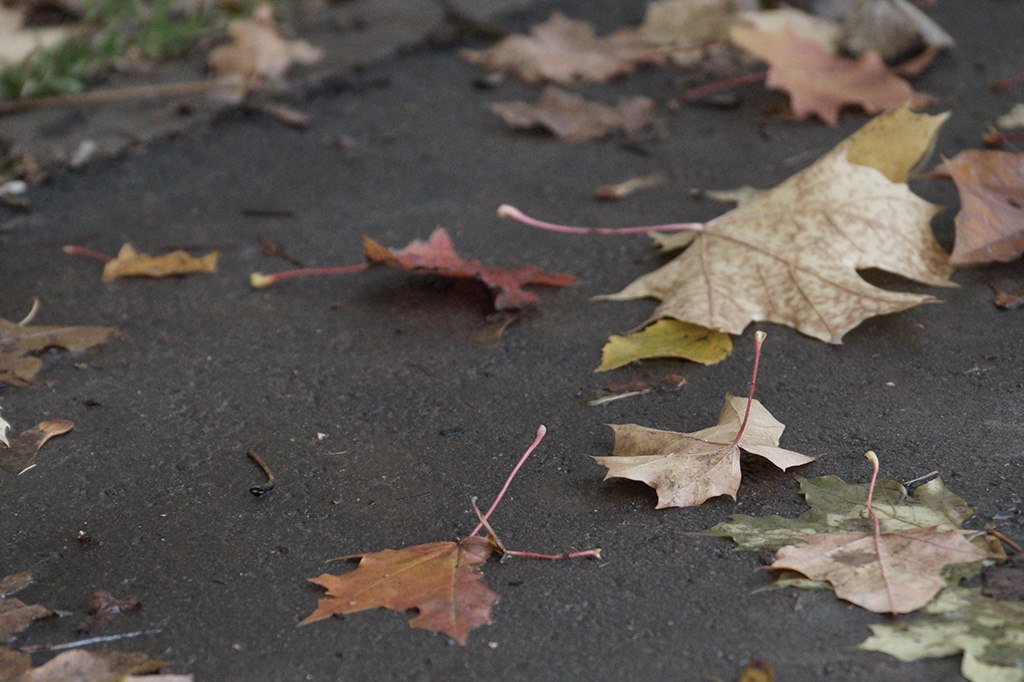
x=820, y=83
x=21, y=455
x=257, y=52
x=103, y=607
x=437, y=256
x=567, y=51
x=989, y=633
x=791, y=255
x=85, y=666
x=836, y=506
x=689, y=23
x=896, y=572
x=688, y=468
x=442, y=580
x=990, y=225
x=16, y=615
x=896, y=142
x=132, y=263
x=666, y=338
x=17, y=343
x=572, y=118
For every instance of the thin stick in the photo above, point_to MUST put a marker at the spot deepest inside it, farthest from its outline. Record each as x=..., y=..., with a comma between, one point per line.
x=1008, y=82
x=258, y=280
x=261, y=488
x=759, y=337
x=927, y=477
x=596, y=553
x=716, y=87
x=1007, y=541
x=35, y=648
x=31, y=313
x=118, y=95
x=541, y=431
x=73, y=250
x=873, y=458
x=506, y=211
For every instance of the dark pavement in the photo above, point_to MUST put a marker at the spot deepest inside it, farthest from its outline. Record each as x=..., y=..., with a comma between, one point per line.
x=418, y=420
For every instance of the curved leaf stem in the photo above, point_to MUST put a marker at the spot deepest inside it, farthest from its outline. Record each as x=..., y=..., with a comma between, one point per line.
x=507, y=211
x=258, y=280
x=873, y=458
x=759, y=337
x=541, y=431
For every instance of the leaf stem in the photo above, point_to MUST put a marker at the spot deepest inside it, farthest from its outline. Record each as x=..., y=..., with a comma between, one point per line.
x=258, y=280
x=73, y=250
x=759, y=337
x=873, y=458
x=507, y=211
x=716, y=87
x=541, y=431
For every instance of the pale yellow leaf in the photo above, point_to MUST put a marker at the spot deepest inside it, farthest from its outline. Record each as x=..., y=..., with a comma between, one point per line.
x=666, y=338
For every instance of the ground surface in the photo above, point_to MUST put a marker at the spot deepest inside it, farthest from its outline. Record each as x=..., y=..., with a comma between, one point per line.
x=418, y=419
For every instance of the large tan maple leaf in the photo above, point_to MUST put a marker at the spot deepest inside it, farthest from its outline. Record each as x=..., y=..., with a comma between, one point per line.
x=791, y=255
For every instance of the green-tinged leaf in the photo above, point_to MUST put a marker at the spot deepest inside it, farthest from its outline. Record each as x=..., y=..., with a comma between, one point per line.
x=989, y=633
x=666, y=338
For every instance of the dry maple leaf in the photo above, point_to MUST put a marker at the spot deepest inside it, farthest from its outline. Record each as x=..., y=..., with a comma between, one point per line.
x=18, y=341
x=688, y=468
x=820, y=83
x=572, y=118
x=21, y=455
x=990, y=225
x=567, y=51
x=132, y=263
x=442, y=580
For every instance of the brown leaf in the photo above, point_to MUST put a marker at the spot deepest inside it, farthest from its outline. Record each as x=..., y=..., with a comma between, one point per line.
x=442, y=580
x=820, y=83
x=437, y=256
x=567, y=51
x=791, y=255
x=572, y=118
x=990, y=225
x=900, y=576
x=688, y=468
x=21, y=456
x=18, y=367
x=103, y=606
x=132, y=263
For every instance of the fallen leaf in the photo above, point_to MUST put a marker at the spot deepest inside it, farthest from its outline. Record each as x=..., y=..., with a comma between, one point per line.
x=896, y=572
x=132, y=263
x=103, y=607
x=629, y=389
x=572, y=118
x=823, y=32
x=835, y=505
x=437, y=256
x=442, y=580
x=688, y=468
x=820, y=83
x=989, y=633
x=17, y=342
x=896, y=142
x=757, y=670
x=81, y=666
x=791, y=255
x=21, y=455
x=621, y=190
x=1004, y=299
x=1005, y=580
x=567, y=51
x=1012, y=119
x=666, y=338
x=257, y=52
x=689, y=23
x=990, y=225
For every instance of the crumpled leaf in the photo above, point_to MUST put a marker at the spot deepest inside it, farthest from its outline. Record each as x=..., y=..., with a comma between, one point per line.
x=791, y=255
x=572, y=118
x=21, y=455
x=16, y=615
x=688, y=468
x=819, y=83
x=80, y=666
x=442, y=580
x=17, y=342
x=898, y=572
x=567, y=51
x=132, y=263
x=257, y=52
x=437, y=256
x=666, y=338
x=835, y=505
x=989, y=632
x=689, y=23
x=990, y=225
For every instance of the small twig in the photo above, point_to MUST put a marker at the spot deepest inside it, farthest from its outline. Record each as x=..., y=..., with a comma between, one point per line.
x=541, y=430
x=506, y=211
x=595, y=553
x=725, y=85
x=258, y=280
x=73, y=250
x=31, y=313
x=990, y=529
x=118, y=95
x=36, y=648
x=759, y=337
x=921, y=479
x=873, y=458
x=261, y=488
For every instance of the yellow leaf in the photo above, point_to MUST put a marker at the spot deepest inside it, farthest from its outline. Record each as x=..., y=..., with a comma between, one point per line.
x=132, y=263
x=895, y=142
x=666, y=338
